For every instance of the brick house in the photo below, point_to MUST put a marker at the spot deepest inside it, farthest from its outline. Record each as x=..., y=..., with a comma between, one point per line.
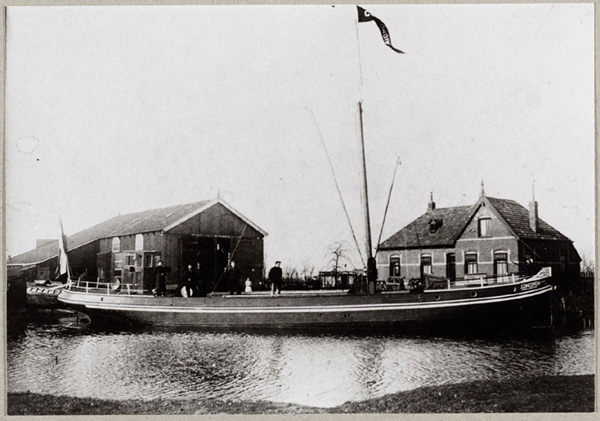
x=128, y=246
x=494, y=237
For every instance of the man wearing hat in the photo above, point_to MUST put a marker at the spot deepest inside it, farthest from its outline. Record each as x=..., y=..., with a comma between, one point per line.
x=275, y=275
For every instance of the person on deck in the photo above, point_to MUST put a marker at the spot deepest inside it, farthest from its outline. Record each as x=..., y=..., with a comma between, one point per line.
x=160, y=273
x=275, y=276
x=233, y=279
x=188, y=281
x=199, y=287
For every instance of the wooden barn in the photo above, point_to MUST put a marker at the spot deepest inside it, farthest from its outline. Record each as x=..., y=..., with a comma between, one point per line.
x=127, y=247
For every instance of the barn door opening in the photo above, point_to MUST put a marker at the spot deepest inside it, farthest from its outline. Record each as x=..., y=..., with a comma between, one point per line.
x=209, y=256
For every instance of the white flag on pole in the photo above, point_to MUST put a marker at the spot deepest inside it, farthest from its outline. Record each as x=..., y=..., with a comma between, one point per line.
x=62, y=250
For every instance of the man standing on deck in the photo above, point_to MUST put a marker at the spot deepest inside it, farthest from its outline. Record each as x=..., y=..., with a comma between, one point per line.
x=161, y=279
x=233, y=279
x=275, y=276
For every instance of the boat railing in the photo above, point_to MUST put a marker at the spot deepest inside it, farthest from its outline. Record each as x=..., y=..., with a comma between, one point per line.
x=473, y=281
x=109, y=288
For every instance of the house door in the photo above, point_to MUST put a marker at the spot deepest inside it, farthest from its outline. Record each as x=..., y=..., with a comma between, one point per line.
x=451, y=266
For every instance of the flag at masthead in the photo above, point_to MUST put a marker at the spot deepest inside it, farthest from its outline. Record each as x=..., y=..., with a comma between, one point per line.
x=365, y=16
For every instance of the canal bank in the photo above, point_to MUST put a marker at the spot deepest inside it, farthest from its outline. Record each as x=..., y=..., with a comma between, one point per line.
x=532, y=394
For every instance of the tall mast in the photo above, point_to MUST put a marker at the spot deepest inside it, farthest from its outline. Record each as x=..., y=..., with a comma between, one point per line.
x=365, y=187
x=371, y=264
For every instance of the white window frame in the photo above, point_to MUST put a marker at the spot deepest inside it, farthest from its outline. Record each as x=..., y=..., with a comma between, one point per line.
x=139, y=242
x=115, y=245
x=393, y=256
x=430, y=255
x=466, y=265
x=487, y=226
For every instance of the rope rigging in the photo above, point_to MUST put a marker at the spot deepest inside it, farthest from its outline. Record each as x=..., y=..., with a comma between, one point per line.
x=231, y=258
x=387, y=204
x=337, y=186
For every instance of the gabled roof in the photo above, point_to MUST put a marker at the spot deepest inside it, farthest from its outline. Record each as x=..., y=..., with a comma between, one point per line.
x=418, y=233
x=517, y=218
x=455, y=219
x=151, y=220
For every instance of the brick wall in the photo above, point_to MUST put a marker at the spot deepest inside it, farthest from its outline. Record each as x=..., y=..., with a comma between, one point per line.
x=410, y=262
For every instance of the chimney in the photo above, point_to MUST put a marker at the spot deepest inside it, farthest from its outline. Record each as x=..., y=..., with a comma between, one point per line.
x=533, y=215
x=431, y=204
x=44, y=241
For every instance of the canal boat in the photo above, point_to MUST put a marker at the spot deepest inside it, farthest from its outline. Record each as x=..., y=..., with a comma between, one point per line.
x=506, y=298
x=512, y=299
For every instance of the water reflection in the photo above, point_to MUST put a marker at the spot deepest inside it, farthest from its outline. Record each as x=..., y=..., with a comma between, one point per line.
x=313, y=370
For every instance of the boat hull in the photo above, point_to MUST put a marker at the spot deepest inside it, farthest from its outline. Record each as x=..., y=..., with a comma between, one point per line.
x=523, y=303
x=43, y=297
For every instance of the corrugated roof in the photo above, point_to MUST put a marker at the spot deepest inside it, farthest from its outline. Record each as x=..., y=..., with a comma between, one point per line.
x=454, y=219
x=418, y=232
x=127, y=224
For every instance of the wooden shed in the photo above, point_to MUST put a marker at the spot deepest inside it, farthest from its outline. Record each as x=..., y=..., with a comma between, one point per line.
x=205, y=234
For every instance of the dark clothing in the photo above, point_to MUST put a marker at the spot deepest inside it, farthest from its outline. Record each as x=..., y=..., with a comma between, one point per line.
x=275, y=276
x=189, y=281
x=197, y=284
x=160, y=274
x=233, y=280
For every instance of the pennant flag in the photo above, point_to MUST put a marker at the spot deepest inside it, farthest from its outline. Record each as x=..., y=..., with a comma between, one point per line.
x=365, y=16
x=62, y=250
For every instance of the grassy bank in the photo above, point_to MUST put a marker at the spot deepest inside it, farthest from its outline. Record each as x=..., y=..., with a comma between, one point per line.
x=536, y=394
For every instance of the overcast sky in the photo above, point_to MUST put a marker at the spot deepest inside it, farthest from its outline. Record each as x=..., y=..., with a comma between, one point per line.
x=121, y=109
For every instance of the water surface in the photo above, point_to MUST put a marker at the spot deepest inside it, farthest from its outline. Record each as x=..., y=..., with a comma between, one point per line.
x=316, y=370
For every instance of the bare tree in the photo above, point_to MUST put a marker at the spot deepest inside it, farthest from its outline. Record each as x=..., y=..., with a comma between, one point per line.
x=338, y=255
x=587, y=262
x=289, y=272
x=307, y=271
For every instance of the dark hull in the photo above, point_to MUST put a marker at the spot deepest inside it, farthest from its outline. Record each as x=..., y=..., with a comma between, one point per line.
x=525, y=302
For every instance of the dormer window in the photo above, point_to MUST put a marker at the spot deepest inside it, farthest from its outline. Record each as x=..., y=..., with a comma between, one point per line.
x=435, y=224
x=484, y=227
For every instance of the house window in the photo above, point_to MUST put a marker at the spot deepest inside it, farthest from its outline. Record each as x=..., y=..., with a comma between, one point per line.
x=116, y=244
x=139, y=242
x=500, y=263
x=129, y=259
x=425, y=265
x=470, y=263
x=484, y=227
x=395, y=266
